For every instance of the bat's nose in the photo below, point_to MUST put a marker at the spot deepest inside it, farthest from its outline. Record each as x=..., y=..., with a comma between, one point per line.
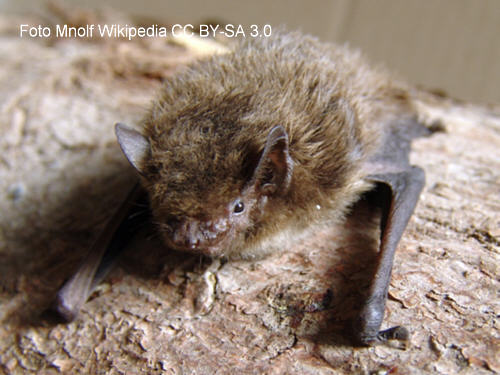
x=192, y=243
x=192, y=234
x=186, y=235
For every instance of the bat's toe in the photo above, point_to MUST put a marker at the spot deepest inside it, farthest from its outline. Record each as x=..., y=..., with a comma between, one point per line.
x=397, y=336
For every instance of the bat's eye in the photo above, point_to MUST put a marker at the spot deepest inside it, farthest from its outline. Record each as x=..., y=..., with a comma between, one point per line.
x=239, y=207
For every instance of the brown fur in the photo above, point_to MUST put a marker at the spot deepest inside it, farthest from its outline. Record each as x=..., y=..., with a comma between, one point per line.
x=208, y=127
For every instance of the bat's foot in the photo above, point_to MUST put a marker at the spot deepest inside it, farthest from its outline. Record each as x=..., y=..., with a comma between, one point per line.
x=395, y=333
x=367, y=326
x=395, y=336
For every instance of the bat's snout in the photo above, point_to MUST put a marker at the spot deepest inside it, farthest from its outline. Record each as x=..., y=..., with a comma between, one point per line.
x=197, y=235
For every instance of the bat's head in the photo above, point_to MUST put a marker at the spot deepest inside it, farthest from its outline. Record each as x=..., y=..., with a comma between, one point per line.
x=216, y=149
x=207, y=196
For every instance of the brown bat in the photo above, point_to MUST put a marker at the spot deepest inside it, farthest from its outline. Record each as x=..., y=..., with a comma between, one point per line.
x=279, y=133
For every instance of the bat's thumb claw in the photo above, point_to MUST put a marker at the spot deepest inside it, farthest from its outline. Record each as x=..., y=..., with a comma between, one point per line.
x=58, y=312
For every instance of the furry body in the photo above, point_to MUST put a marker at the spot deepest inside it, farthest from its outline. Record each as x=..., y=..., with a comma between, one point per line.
x=240, y=150
x=209, y=124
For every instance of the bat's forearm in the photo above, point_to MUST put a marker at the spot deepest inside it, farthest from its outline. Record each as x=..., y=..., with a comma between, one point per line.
x=101, y=256
x=405, y=188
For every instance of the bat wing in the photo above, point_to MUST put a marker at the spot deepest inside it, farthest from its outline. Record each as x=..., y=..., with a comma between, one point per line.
x=398, y=186
x=75, y=292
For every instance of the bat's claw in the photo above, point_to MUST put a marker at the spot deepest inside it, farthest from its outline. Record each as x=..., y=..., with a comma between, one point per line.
x=397, y=336
x=395, y=333
x=60, y=312
x=57, y=313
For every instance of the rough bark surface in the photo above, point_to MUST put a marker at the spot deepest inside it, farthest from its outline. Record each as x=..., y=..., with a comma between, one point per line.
x=62, y=175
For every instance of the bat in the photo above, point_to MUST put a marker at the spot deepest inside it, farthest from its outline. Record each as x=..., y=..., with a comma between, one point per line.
x=279, y=133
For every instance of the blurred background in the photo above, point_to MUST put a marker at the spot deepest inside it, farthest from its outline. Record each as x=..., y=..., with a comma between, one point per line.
x=448, y=45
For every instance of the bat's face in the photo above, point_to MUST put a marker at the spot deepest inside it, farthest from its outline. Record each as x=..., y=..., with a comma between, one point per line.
x=203, y=199
x=216, y=230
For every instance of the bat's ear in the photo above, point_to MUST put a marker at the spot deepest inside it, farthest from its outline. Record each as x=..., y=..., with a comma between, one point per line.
x=274, y=170
x=134, y=145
